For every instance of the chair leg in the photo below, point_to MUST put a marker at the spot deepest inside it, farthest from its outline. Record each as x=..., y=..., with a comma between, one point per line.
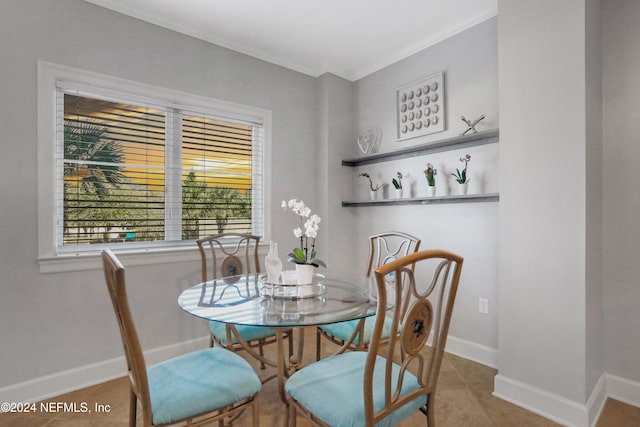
x=210, y=341
x=318, y=343
x=255, y=411
x=291, y=415
x=431, y=411
x=261, y=351
x=290, y=344
x=133, y=408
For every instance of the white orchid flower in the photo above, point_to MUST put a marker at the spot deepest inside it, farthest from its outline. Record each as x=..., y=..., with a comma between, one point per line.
x=307, y=237
x=311, y=224
x=311, y=232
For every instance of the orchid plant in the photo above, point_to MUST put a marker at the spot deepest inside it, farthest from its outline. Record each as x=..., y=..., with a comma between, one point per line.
x=307, y=233
x=430, y=172
x=397, y=182
x=373, y=188
x=461, y=176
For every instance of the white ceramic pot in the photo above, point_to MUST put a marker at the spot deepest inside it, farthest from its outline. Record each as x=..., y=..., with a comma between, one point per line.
x=305, y=273
x=398, y=193
x=464, y=188
x=432, y=190
x=373, y=195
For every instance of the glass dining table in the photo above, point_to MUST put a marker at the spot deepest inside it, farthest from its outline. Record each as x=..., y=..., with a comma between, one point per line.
x=249, y=300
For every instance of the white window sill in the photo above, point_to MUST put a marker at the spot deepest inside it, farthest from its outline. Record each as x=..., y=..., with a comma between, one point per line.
x=129, y=257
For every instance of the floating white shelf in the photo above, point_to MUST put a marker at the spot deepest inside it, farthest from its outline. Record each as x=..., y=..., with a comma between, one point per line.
x=453, y=143
x=435, y=200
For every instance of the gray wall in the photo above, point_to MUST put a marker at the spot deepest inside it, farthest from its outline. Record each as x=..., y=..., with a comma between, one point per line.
x=594, y=324
x=568, y=282
x=543, y=192
x=56, y=322
x=469, y=61
x=621, y=204
x=336, y=111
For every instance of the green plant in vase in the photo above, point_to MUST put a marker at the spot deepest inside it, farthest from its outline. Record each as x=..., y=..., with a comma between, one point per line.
x=461, y=176
x=373, y=188
x=397, y=184
x=430, y=173
x=397, y=181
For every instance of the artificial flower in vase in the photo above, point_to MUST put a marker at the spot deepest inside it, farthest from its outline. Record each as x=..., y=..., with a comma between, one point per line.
x=304, y=256
x=430, y=172
x=373, y=189
x=397, y=183
x=461, y=176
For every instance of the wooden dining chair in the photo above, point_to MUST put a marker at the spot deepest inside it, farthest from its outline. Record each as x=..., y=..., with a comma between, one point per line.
x=356, y=334
x=228, y=255
x=197, y=388
x=387, y=384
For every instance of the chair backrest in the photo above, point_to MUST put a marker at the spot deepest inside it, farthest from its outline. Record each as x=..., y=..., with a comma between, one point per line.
x=418, y=312
x=114, y=276
x=228, y=254
x=388, y=247
x=385, y=248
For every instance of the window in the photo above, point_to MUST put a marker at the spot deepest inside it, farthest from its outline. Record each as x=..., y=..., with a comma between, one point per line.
x=131, y=170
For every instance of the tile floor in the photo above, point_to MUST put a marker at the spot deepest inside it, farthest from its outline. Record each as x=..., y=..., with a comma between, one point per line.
x=464, y=400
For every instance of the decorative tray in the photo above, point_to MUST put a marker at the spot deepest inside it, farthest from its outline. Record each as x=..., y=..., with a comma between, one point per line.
x=288, y=288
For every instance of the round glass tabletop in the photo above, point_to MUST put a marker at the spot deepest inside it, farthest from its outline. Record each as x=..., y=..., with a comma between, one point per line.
x=239, y=300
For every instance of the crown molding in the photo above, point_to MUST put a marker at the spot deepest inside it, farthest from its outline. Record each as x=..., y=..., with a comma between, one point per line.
x=351, y=75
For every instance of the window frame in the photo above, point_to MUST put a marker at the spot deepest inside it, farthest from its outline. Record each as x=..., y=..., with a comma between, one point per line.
x=49, y=76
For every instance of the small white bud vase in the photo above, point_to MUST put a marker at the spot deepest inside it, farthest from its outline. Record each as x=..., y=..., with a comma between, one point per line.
x=305, y=273
x=432, y=190
x=398, y=193
x=464, y=188
x=272, y=264
x=373, y=194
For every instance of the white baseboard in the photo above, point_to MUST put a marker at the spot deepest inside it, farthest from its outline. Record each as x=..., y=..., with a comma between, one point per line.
x=624, y=390
x=552, y=406
x=597, y=400
x=473, y=351
x=88, y=375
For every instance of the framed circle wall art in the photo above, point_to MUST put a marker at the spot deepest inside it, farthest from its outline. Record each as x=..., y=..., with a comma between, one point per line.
x=420, y=107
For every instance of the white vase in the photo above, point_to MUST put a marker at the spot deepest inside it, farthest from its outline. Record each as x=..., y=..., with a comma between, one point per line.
x=432, y=190
x=305, y=273
x=464, y=188
x=272, y=264
x=373, y=194
x=398, y=193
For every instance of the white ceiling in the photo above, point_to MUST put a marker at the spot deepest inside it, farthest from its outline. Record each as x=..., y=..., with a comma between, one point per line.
x=350, y=38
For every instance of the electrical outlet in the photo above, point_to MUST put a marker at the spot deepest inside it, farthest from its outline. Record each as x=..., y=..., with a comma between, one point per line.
x=483, y=306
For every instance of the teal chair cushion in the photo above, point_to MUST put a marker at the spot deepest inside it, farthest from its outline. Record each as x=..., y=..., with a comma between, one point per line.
x=343, y=330
x=249, y=333
x=199, y=382
x=333, y=390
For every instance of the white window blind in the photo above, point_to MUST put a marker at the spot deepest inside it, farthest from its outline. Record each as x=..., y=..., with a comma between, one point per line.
x=140, y=172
